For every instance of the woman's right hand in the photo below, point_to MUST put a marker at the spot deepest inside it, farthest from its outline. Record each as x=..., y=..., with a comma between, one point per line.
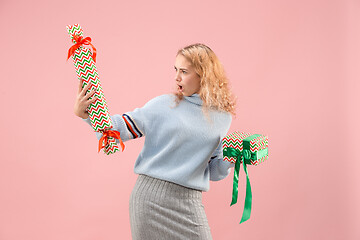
x=82, y=101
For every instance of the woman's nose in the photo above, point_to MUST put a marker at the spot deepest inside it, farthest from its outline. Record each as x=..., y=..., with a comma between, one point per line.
x=177, y=77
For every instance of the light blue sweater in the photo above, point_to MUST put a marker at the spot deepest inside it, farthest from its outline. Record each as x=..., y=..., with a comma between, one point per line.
x=181, y=145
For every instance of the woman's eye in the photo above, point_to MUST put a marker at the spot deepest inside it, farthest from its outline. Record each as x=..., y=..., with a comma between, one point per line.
x=184, y=71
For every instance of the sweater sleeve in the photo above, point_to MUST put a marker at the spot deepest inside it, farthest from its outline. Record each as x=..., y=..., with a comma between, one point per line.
x=219, y=169
x=132, y=124
x=121, y=123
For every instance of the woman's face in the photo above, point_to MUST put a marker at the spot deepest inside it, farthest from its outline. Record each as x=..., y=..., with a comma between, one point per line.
x=187, y=80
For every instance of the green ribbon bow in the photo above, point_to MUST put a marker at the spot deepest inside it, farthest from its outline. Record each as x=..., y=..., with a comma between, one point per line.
x=241, y=157
x=245, y=156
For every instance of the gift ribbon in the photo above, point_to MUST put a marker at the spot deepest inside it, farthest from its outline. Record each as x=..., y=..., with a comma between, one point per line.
x=81, y=41
x=243, y=157
x=110, y=133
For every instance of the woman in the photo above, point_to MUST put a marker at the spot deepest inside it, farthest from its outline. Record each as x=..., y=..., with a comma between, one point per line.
x=182, y=149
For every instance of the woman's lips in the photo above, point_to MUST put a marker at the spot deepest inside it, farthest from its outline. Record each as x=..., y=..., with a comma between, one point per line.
x=180, y=88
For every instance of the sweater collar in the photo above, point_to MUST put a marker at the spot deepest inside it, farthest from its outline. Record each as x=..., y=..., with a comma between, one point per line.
x=195, y=98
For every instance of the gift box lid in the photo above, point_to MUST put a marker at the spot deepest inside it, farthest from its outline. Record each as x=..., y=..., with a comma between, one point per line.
x=252, y=142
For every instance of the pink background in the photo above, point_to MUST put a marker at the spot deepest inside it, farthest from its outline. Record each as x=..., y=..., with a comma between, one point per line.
x=294, y=66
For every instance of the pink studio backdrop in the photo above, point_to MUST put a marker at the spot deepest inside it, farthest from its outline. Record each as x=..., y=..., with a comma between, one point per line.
x=292, y=64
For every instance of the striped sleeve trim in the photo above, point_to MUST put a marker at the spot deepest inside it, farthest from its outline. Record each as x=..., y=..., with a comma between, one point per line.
x=131, y=126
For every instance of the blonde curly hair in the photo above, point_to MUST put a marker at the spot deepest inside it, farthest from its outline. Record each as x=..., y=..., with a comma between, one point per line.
x=214, y=89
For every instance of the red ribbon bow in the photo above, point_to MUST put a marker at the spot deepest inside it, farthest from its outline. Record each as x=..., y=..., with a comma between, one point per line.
x=110, y=133
x=80, y=41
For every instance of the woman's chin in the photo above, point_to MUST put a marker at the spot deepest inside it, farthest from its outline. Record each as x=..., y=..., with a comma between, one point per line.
x=181, y=91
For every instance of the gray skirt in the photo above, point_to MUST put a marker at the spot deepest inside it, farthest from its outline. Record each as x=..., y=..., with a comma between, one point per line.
x=164, y=210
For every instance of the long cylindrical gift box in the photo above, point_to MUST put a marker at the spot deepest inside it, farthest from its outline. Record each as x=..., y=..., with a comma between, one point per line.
x=84, y=61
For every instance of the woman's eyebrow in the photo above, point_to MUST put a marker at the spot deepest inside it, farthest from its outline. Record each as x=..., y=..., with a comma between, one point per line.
x=181, y=68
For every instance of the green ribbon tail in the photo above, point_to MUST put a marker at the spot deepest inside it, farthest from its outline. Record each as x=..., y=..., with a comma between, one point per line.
x=235, y=182
x=248, y=198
